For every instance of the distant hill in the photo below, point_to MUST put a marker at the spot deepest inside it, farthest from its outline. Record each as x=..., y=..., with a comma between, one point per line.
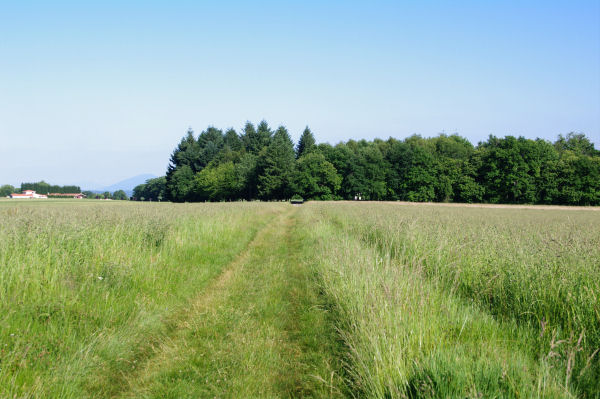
x=126, y=185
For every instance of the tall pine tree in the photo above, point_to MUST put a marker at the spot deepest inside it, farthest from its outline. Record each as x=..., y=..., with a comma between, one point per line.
x=210, y=143
x=306, y=143
x=185, y=156
x=276, y=167
x=250, y=139
x=232, y=140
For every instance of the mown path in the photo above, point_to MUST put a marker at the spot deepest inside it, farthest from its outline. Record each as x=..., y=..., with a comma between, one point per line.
x=258, y=330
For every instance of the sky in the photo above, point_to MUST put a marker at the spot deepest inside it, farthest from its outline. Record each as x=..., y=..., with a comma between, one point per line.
x=95, y=92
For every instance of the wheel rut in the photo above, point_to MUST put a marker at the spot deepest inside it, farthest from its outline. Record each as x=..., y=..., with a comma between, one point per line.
x=256, y=331
x=199, y=307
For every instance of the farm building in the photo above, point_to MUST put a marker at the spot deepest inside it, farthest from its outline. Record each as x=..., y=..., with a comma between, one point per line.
x=27, y=194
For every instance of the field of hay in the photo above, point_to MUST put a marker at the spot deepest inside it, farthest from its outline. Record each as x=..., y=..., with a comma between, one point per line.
x=328, y=299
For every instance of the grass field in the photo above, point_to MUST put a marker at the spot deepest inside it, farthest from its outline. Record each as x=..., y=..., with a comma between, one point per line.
x=268, y=300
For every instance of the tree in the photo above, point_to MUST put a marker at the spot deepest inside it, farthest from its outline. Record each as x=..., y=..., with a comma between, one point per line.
x=275, y=167
x=413, y=170
x=250, y=139
x=578, y=180
x=344, y=161
x=6, y=189
x=256, y=139
x=220, y=182
x=511, y=169
x=120, y=195
x=155, y=189
x=265, y=134
x=210, y=143
x=453, y=146
x=247, y=171
x=232, y=140
x=370, y=173
x=316, y=178
x=139, y=192
x=306, y=143
x=186, y=155
x=451, y=153
x=180, y=187
x=466, y=187
x=577, y=143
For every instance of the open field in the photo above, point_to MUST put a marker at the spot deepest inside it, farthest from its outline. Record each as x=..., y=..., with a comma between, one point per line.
x=118, y=299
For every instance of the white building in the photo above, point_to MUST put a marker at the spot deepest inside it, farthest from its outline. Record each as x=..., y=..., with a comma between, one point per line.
x=28, y=194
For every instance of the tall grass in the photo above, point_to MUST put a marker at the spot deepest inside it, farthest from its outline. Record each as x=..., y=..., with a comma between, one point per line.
x=87, y=290
x=536, y=272
x=369, y=300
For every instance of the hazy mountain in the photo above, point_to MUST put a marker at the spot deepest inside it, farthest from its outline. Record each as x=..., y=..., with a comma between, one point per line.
x=126, y=185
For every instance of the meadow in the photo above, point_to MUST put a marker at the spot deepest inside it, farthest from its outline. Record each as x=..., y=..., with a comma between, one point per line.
x=121, y=299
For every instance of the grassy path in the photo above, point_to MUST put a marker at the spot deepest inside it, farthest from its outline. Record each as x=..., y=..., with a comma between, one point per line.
x=256, y=331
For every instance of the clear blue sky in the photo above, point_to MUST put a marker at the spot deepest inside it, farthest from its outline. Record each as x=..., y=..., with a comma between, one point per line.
x=94, y=93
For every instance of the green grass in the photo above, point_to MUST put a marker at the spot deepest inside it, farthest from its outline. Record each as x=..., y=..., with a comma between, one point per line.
x=532, y=274
x=87, y=290
x=118, y=299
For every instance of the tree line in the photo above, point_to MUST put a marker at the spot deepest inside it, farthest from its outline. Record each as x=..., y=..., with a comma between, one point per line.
x=117, y=195
x=42, y=187
x=263, y=163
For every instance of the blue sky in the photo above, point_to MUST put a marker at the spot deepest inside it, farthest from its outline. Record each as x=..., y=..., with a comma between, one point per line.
x=94, y=93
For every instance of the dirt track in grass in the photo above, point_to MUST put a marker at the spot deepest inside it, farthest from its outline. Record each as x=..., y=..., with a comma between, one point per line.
x=256, y=331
